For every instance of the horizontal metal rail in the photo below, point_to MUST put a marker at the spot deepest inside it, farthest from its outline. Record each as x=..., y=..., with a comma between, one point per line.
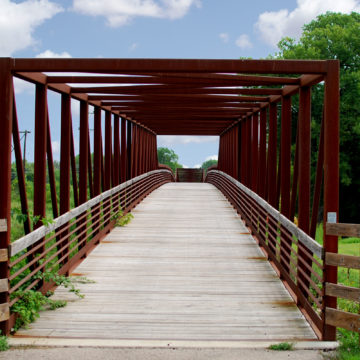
x=42, y=231
x=305, y=239
x=287, y=247
x=64, y=243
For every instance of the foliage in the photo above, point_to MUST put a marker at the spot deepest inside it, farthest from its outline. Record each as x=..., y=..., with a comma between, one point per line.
x=121, y=219
x=125, y=219
x=4, y=345
x=349, y=345
x=31, y=302
x=281, y=346
x=206, y=164
x=168, y=157
x=337, y=36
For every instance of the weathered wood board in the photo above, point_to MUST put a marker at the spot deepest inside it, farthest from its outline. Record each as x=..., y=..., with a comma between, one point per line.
x=185, y=268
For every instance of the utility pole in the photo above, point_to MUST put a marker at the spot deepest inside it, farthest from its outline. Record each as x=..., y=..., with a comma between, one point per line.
x=25, y=132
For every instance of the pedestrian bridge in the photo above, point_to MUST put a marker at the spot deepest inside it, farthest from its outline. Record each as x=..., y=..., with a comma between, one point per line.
x=231, y=257
x=185, y=268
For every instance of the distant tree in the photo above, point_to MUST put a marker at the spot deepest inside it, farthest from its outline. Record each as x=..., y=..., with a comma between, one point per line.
x=336, y=36
x=206, y=164
x=168, y=157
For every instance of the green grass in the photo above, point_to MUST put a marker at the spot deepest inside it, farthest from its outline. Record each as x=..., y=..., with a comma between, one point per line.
x=281, y=346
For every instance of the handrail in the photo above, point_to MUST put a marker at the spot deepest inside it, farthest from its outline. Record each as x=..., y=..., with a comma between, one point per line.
x=305, y=239
x=297, y=258
x=64, y=243
x=42, y=231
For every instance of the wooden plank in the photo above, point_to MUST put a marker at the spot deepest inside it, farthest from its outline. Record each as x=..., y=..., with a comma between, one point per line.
x=342, y=319
x=338, y=229
x=4, y=255
x=184, y=267
x=4, y=312
x=342, y=291
x=4, y=285
x=3, y=225
x=348, y=261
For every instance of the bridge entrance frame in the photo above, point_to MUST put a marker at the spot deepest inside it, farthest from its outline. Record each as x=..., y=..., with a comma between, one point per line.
x=239, y=100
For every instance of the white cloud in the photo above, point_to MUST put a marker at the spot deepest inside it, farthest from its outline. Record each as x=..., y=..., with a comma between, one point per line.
x=243, y=42
x=120, y=12
x=197, y=166
x=224, y=37
x=212, y=157
x=19, y=20
x=55, y=146
x=168, y=140
x=75, y=108
x=274, y=25
x=22, y=86
x=133, y=46
x=52, y=54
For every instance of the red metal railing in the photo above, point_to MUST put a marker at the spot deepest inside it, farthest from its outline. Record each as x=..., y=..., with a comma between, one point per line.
x=286, y=245
x=64, y=243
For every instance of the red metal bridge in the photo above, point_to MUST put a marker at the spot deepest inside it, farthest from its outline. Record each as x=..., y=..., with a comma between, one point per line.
x=262, y=112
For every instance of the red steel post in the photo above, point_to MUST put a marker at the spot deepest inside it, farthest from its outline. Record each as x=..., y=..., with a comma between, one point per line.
x=97, y=150
x=123, y=151
x=262, y=154
x=40, y=154
x=116, y=166
x=51, y=170
x=84, y=151
x=254, y=150
x=331, y=176
x=285, y=167
x=285, y=155
x=108, y=151
x=6, y=96
x=65, y=154
x=271, y=163
x=304, y=180
x=128, y=150
x=73, y=167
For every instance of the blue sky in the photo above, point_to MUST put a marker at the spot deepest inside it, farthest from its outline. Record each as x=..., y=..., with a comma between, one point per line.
x=148, y=29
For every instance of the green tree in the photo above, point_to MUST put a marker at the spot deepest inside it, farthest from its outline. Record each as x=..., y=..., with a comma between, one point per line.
x=168, y=157
x=336, y=36
x=206, y=164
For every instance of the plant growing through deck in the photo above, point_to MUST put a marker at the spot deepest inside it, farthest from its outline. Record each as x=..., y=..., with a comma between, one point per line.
x=285, y=346
x=4, y=345
x=121, y=219
x=31, y=302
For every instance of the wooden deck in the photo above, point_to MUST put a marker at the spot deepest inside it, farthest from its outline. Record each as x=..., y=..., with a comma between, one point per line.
x=185, y=268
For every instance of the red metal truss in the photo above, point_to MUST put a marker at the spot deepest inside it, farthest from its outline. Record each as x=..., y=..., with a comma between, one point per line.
x=264, y=142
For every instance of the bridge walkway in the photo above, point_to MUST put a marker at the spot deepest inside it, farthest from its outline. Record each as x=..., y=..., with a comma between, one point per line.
x=185, y=268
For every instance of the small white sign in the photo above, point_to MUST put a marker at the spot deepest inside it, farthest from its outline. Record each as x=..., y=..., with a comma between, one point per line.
x=331, y=217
